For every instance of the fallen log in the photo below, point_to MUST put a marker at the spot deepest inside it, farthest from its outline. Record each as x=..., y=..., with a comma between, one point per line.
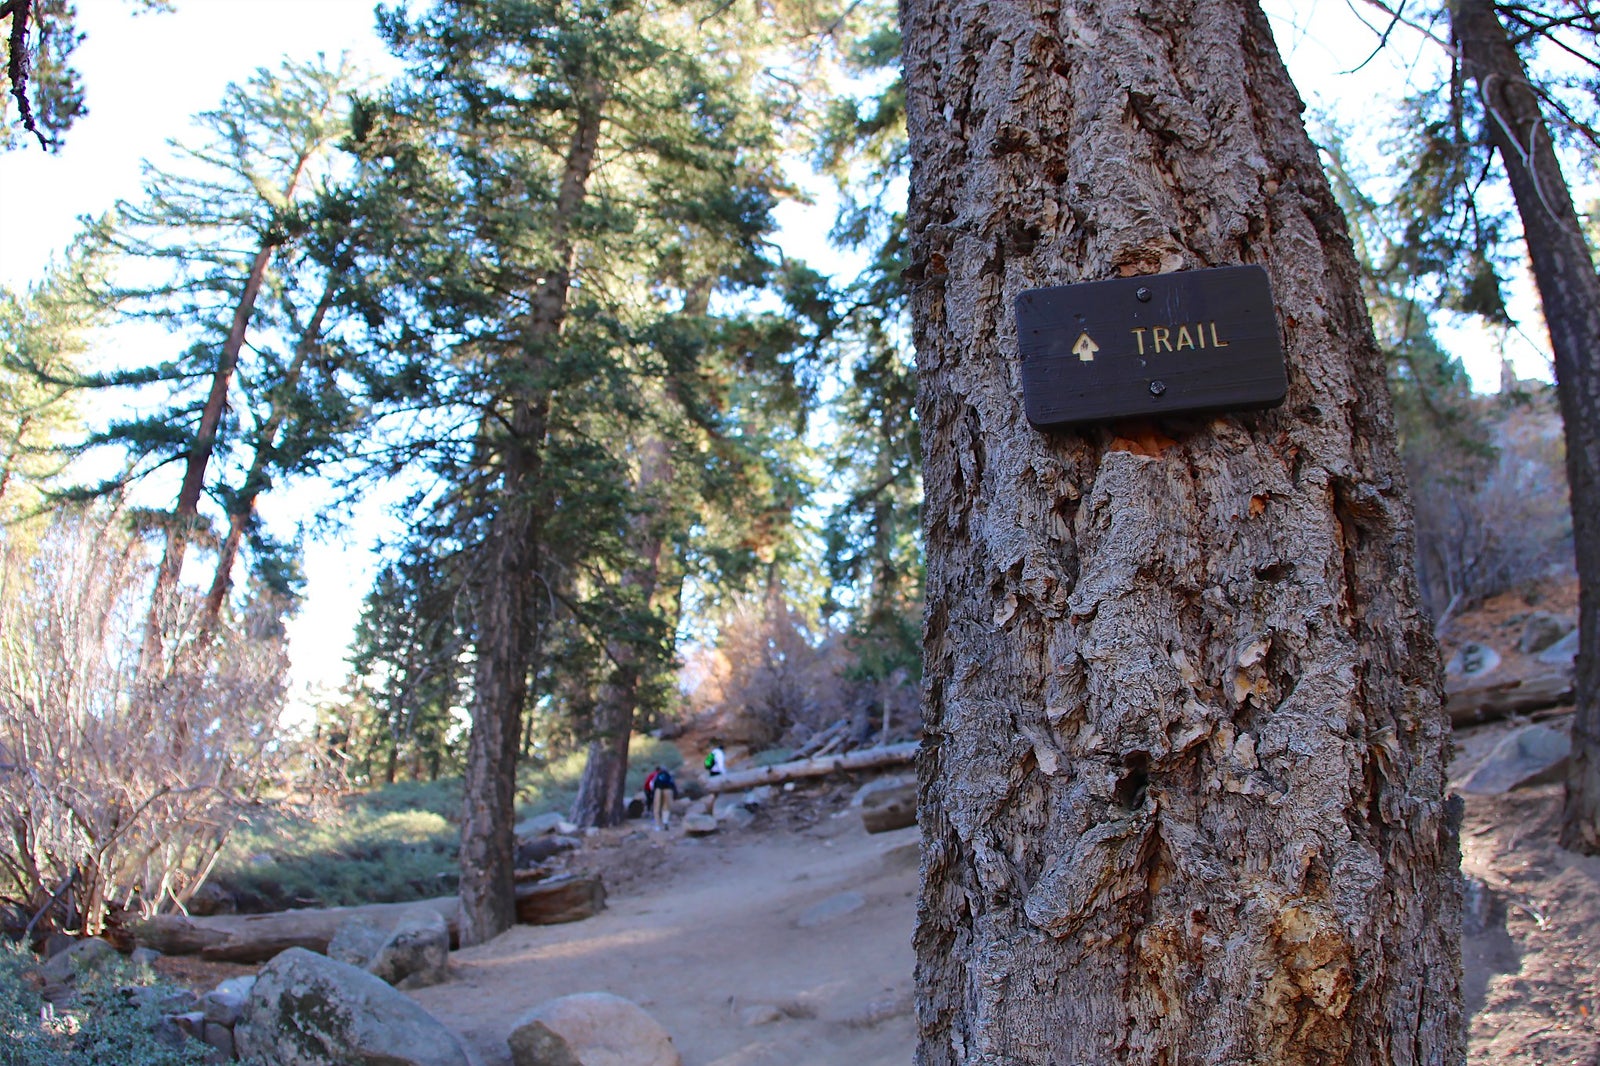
x=815, y=745
x=865, y=759
x=259, y=937
x=1486, y=701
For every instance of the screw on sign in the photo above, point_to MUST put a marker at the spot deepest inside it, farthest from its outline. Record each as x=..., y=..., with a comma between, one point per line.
x=1198, y=340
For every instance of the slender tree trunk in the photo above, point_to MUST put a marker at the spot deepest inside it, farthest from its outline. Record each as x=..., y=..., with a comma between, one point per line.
x=255, y=481
x=602, y=790
x=1182, y=783
x=1569, y=292
x=507, y=571
x=187, y=512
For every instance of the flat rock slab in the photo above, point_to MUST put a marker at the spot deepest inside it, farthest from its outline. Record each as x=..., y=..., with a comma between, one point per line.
x=829, y=909
x=1532, y=755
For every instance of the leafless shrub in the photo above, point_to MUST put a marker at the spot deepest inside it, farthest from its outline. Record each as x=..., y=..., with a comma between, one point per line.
x=1491, y=524
x=118, y=789
x=768, y=672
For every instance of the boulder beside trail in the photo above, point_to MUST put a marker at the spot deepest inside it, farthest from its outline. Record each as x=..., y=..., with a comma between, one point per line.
x=591, y=1029
x=1531, y=755
x=413, y=953
x=91, y=953
x=309, y=1010
x=1542, y=629
x=699, y=825
x=541, y=824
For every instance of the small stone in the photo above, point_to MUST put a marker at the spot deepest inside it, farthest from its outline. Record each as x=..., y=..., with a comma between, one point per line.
x=760, y=1014
x=699, y=825
x=143, y=956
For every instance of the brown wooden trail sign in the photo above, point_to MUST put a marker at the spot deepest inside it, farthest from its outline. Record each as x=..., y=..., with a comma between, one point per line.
x=1197, y=340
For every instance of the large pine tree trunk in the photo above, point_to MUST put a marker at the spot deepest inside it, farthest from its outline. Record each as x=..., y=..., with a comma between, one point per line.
x=506, y=570
x=602, y=790
x=1569, y=292
x=1183, y=776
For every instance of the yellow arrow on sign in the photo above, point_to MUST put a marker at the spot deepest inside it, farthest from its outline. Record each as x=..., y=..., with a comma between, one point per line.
x=1084, y=348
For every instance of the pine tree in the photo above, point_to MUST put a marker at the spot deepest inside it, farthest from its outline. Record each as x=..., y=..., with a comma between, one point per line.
x=209, y=248
x=43, y=337
x=544, y=162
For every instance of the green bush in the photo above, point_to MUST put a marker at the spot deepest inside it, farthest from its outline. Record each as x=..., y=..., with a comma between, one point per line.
x=391, y=844
x=106, y=1027
x=362, y=854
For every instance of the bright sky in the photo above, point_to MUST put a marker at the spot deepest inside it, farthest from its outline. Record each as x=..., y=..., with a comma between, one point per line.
x=146, y=75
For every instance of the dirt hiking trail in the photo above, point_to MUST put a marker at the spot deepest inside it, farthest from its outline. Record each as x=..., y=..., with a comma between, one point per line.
x=763, y=946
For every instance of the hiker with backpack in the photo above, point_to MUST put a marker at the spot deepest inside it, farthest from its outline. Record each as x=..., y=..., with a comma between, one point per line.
x=716, y=766
x=662, y=790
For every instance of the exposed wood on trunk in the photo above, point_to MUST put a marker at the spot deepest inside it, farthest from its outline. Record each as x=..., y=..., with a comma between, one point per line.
x=258, y=937
x=865, y=759
x=1486, y=701
x=1569, y=295
x=1183, y=776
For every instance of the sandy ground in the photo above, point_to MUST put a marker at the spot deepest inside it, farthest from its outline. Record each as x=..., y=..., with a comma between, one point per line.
x=1531, y=940
x=788, y=943
x=773, y=945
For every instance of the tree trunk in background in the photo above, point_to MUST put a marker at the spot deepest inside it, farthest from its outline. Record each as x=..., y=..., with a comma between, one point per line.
x=187, y=512
x=1569, y=292
x=256, y=479
x=602, y=791
x=506, y=572
x=1183, y=775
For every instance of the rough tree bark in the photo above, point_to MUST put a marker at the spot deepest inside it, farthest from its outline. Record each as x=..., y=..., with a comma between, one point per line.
x=1569, y=292
x=1183, y=776
x=507, y=571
